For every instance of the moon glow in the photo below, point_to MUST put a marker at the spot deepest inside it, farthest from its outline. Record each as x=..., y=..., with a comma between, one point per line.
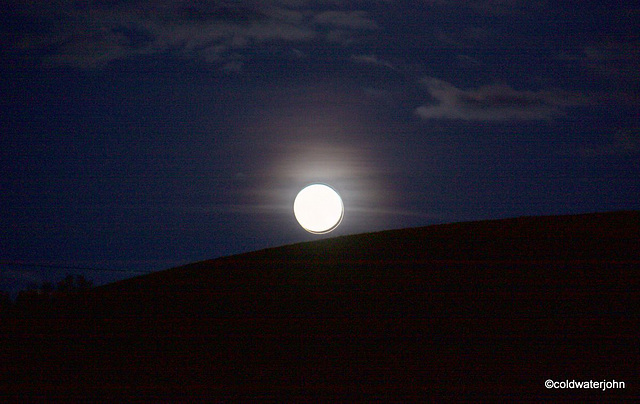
x=318, y=208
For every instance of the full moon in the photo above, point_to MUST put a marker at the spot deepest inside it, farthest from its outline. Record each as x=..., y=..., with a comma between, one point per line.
x=318, y=208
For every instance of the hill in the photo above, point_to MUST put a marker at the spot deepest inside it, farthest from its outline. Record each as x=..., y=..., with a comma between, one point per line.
x=462, y=311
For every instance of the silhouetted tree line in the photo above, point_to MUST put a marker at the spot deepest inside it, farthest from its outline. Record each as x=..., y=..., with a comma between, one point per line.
x=39, y=299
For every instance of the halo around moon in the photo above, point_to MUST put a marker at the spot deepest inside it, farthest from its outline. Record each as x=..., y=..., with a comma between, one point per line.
x=318, y=208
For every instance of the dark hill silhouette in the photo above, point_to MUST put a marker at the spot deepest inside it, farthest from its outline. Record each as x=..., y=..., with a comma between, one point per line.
x=476, y=310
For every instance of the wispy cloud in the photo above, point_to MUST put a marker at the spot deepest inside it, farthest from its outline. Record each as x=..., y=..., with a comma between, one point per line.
x=616, y=62
x=94, y=34
x=496, y=102
x=346, y=19
x=491, y=7
x=372, y=60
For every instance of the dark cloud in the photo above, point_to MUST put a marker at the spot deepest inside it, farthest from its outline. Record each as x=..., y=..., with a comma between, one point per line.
x=94, y=34
x=615, y=65
x=372, y=60
x=615, y=60
x=490, y=7
x=497, y=102
x=346, y=19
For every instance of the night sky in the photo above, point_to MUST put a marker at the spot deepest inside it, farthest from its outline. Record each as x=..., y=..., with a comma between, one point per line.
x=140, y=135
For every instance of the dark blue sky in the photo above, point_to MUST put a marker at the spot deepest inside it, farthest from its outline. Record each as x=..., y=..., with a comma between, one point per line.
x=142, y=135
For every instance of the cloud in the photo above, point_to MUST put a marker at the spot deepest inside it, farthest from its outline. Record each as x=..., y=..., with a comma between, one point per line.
x=341, y=26
x=92, y=34
x=616, y=63
x=372, y=60
x=233, y=66
x=468, y=60
x=497, y=102
x=346, y=19
x=491, y=7
x=611, y=59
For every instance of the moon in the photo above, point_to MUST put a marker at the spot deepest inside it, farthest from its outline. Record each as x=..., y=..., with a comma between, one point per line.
x=318, y=208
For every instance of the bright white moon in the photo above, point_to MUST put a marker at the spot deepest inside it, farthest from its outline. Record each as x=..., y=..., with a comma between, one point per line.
x=318, y=208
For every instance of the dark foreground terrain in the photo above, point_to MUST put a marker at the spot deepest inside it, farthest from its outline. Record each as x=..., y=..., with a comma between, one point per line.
x=466, y=311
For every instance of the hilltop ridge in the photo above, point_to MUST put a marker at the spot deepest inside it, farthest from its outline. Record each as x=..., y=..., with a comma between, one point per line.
x=455, y=311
